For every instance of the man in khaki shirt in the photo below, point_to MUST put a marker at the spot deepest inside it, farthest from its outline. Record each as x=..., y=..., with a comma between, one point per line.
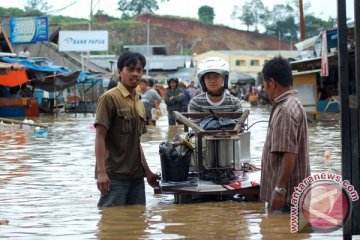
x=120, y=121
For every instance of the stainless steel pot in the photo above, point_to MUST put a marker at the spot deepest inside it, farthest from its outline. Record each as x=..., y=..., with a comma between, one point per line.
x=220, y=151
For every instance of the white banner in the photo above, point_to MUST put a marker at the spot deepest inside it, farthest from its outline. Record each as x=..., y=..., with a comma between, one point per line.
x=83, y=41
x=324, y=56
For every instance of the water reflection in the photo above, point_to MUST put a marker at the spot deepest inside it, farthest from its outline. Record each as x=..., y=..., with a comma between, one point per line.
x=48, y=191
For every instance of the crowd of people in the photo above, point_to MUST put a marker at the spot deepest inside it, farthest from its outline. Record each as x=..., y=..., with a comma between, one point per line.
x=122, y=115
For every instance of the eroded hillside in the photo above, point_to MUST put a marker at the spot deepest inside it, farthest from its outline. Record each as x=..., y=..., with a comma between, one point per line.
x=181, y=35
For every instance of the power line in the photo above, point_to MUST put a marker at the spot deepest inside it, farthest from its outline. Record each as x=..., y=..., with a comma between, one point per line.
x=63, y=8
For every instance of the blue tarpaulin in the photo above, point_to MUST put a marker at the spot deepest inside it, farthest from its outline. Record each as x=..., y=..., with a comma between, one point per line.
x=31, y=66
x=43, y=74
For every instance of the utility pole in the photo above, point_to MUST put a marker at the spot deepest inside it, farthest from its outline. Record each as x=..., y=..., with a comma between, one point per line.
x=302, y=21
x=279, y=40
x=91, y=14
x=90, y=23
x=148, y=47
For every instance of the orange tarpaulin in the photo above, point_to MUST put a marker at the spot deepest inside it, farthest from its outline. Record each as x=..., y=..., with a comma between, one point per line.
x=14, y=77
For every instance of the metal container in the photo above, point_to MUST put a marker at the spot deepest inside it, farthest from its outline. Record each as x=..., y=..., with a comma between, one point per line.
x=219, y=151
x=225, y=152
x=210, y=154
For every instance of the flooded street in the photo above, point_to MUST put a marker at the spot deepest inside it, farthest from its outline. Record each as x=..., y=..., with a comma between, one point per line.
x=48, y=190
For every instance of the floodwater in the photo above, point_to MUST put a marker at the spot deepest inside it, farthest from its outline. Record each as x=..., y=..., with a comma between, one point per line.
x=48, y=190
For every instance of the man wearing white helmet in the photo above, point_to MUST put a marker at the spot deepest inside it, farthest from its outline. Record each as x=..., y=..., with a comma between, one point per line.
x=213, y=74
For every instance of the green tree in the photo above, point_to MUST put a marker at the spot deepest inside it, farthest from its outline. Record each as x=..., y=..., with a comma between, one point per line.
x=64, y=20
x=125, y=16
x=37, y=7
x=295, y=4
x=206, y=14
x=282, y=23
x=242, y=15
x=286, y=29
x=331, y=22
x=118, y=47
x=314, y=25
x=252, y=13
x=137, y=7
x=280, y=12
x=8, y=12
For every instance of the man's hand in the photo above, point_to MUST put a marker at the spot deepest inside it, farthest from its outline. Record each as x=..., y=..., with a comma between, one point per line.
x=103, y=183
x=277, y=201
x=152, y=179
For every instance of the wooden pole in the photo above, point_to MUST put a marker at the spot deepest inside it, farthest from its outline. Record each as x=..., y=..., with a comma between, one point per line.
x=241, y=121
x=188, y=122
x=9, y=120
x=302, y=21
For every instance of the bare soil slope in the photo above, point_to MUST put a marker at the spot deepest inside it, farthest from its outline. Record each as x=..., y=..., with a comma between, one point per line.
x=181, y=35
x=173, y=32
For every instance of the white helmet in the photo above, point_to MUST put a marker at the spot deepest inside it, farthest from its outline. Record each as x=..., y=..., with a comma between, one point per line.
x=213, y=64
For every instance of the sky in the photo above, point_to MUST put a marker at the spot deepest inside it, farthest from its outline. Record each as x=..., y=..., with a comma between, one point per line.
x=185, y=8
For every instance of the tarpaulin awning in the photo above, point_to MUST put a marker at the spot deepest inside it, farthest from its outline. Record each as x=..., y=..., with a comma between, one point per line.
x=56, y=82
x=43, y=74
x=307, y=43
x=34, y=67
x=12, y=75
x=4, y=68
x=240, y=78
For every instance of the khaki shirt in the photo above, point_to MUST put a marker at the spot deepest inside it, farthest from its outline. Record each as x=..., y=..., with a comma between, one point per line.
x=287, y=132
x=123, y=115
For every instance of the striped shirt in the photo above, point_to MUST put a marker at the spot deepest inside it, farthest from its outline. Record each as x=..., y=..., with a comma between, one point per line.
x=287, y=132
x=202, y=103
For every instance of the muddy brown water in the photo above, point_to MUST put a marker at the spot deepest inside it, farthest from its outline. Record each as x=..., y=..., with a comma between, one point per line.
x=48, y=191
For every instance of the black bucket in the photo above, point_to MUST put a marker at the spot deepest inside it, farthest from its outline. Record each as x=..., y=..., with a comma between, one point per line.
x=174, y=165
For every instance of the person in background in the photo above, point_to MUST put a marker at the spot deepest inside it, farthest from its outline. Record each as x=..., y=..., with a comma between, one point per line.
x=111, y=84
x=263, y=97
x=322, y=93
x=119, y=122
x=151, y=99
x=186, y=96
x=192, y=89
x=213, y=74
x=25, y=91
x=174, y=98
x=15, y=92
x=252, y=91
x=151, y=82
x=155, y=85
x=252, y=94
x=285, y=157
x=235, y=92
x=24, y=53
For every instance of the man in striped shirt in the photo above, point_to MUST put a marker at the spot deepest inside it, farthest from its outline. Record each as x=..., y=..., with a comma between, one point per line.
x=285, y=158
x=213, y=73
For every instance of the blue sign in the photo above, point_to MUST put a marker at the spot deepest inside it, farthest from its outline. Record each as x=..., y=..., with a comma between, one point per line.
x=29, y=30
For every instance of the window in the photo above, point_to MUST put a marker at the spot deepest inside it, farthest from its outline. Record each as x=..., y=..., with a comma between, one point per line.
x=254, y=63
x=240, y=62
